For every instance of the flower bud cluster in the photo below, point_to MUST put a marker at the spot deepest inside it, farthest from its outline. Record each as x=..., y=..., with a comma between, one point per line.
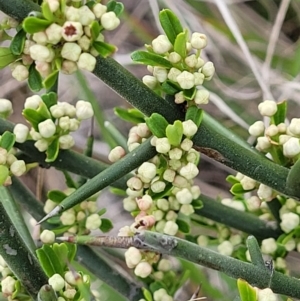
x=67, y=43
x=186, y=73
x=63, y=118
x=81, y=219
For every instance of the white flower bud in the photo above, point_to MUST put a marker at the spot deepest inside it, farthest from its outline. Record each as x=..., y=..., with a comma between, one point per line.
x=86, y=16
x=110, y=21
x=291, y=148
x=27, y=45
x=253, y=203
x=68, y=218
x=265, y=192
x=64, y=123
x=53, y=5
x=142, y=130
x=263, y=144
x=147, y=170
x=290, y=204
x=143, y=269
x=133, y=257
x=71, y=277
x=189, y=128
x=72, y=31
x=5, y=107
x=187, y=209
x=86, y=61
x=84, y=42
x=266, y=295
x=198, y=40
x=68, y=67
x=202, y=240
x=160, y=295
x=134, y=193
x=248, y=183
x=56, y=281
x=173, y=73
x=129, y=204
x=174, y=164
x=158, y=186
x=208, y=70
x=10, y=158
x=164, y=265
x=184, y=196
x=268, y=246
x=74, y=124
x=70, y=293
x=225, y=248
x=99, y=9
x=66, y=142
x=43, y=68
x=150, y=81
x=186, y=80
x=201, y=97
x=40, y=38
x=174, y=204
x=175, y=153
x=289, y=221
x=26, y=60
x=290, y=245
x=283, y=139
x=8, y=285
x=267, y=108
x=145, y=202
x=49, y=206
x=271, y=130
x=294, y=126
x=174, y=57
x=193, y=156
x=180, y=182
x=47, y=237
x=84, y=110
x=92, y=207
x=20, y=73
x=72, y=13
x=41, y=53
x=3, y=156
x=189, y=171
x=161, y=44
x=18, y=168
x=186, y=144
x=47, y=128
x=179, y=98
x=160, y=73
x=116, y=154
x=170, y=228
x=196, y=192
x=162, y=204
x=41, y=145
x=54, y=33
x=93, y=222
x=169, y=175
x=256, y=129
x=162, y=145
x=199, y=78
x=32, y=102
x=71, y=51
x=191, y=60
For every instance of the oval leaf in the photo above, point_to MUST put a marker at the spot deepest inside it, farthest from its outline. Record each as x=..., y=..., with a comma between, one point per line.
x=180, y=43
x=32, y=24
x=50, y=80
x=247, y=292
x=6, y=57
x=157, y=125
x=195, y=114
x=45, y=262
x=116, y=7
x=18, y=42
x=47, y=13
x=104, y=49
x=184, y=226
x=131, y=115
x=52, y=151
x=4, y=173
x=151, y=59
x=106, y=225
x=174, y=133
x=34, y=80
x=56, y=196
x=7, y=140
x=280, y=115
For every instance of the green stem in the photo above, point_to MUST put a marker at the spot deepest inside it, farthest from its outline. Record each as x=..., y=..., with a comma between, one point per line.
x=18, y=257
x=18, y=9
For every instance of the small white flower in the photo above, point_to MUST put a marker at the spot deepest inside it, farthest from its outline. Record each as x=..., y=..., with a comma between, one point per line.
x=271, y=130
x=162, y=145
x=294, y=126
x=5, y=107
x=27, y=45
x=291, y=148
x=56, y=281
x=267, y=108
x=189, y=171
x=20, y=73
x=93, y=222
x=135, y=183
x=72, y=13
x=186, y=80
x=86, y=16
x=21, y=131
x=71, y=51
x=263, y=144
x=116, y=154
x=47, y=128
x=248, y=183
x=266, y=295
x=201, y=97
x=200, y=63
x=32, y=102
x=175, y=153
x=196, y=192
x=72, y=31
x=208, y=70
x=86, y=61
x=133, y=256
x=170, y=228
x=268, y=246
x=179, y=98
x=43, y=68
x=169, y=175
x=68, y=67
x=66, y=142
x=99, y=9
x=189, y=128
x=47, y=237
x=253, y=203
x=41, y=53
x=3, y=156
x=174, y=57
x=265, y=192
x=68, y=218
x=184, y=196
x=161, y=44
x=84, y=110
x=199, y=78
x=84, y=42
x=160, y=73
x=180, y=182
x=256, y=129
x=54, y=33
x=186, y=144
x=8, y=285
x=171, y=216
x=40, y=38
x=129, y=204
x=162, y=204
x=41, y=145
x=198, y=40
x=147, y=170
x=225, y=248
x=18, y=168
x=187, y=209
x=64, y=123
x=289, y=221
x=290, y=245
x=110, y=21
x=150, y=81
x=145, y=202
x=158, y=186
x=143, y=269
x=173, y=73
x=191, y=60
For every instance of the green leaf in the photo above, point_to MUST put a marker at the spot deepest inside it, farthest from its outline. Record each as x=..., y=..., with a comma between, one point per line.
x=237, y=189
x=170, y=88
x=45, y=262
x=33, y=117
x=280, y=115
x=116, y=7
x=174, y=133
x=34, y=79
x=95, y=29
x=131, y=115
x=232, y=179
x=50, y=80
x=46, y=293
x=157, y=125
x=189, y=94
x=195, y=114
x=293, y=179
x=58, y=230
x=118, y=191
x=33, y=24
x=180, y=43
x=83, y=289
x=18, y=42
x=4, y=173
x=72, y=252
x=7, y=140
x=147, y=294
x=56, y=196
x=197, y=204
x=184, y=226
x=151, y=59
x=44, y=111
x=106, y=225
x=53, y=259
x=247, y=292
x=62, y=251
x=104, y=49
x=52, y=151
x=69, y=180
x=170, y=24
x=102, y=211
x=47, y=13
x=6, y=57
x=50, y=99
